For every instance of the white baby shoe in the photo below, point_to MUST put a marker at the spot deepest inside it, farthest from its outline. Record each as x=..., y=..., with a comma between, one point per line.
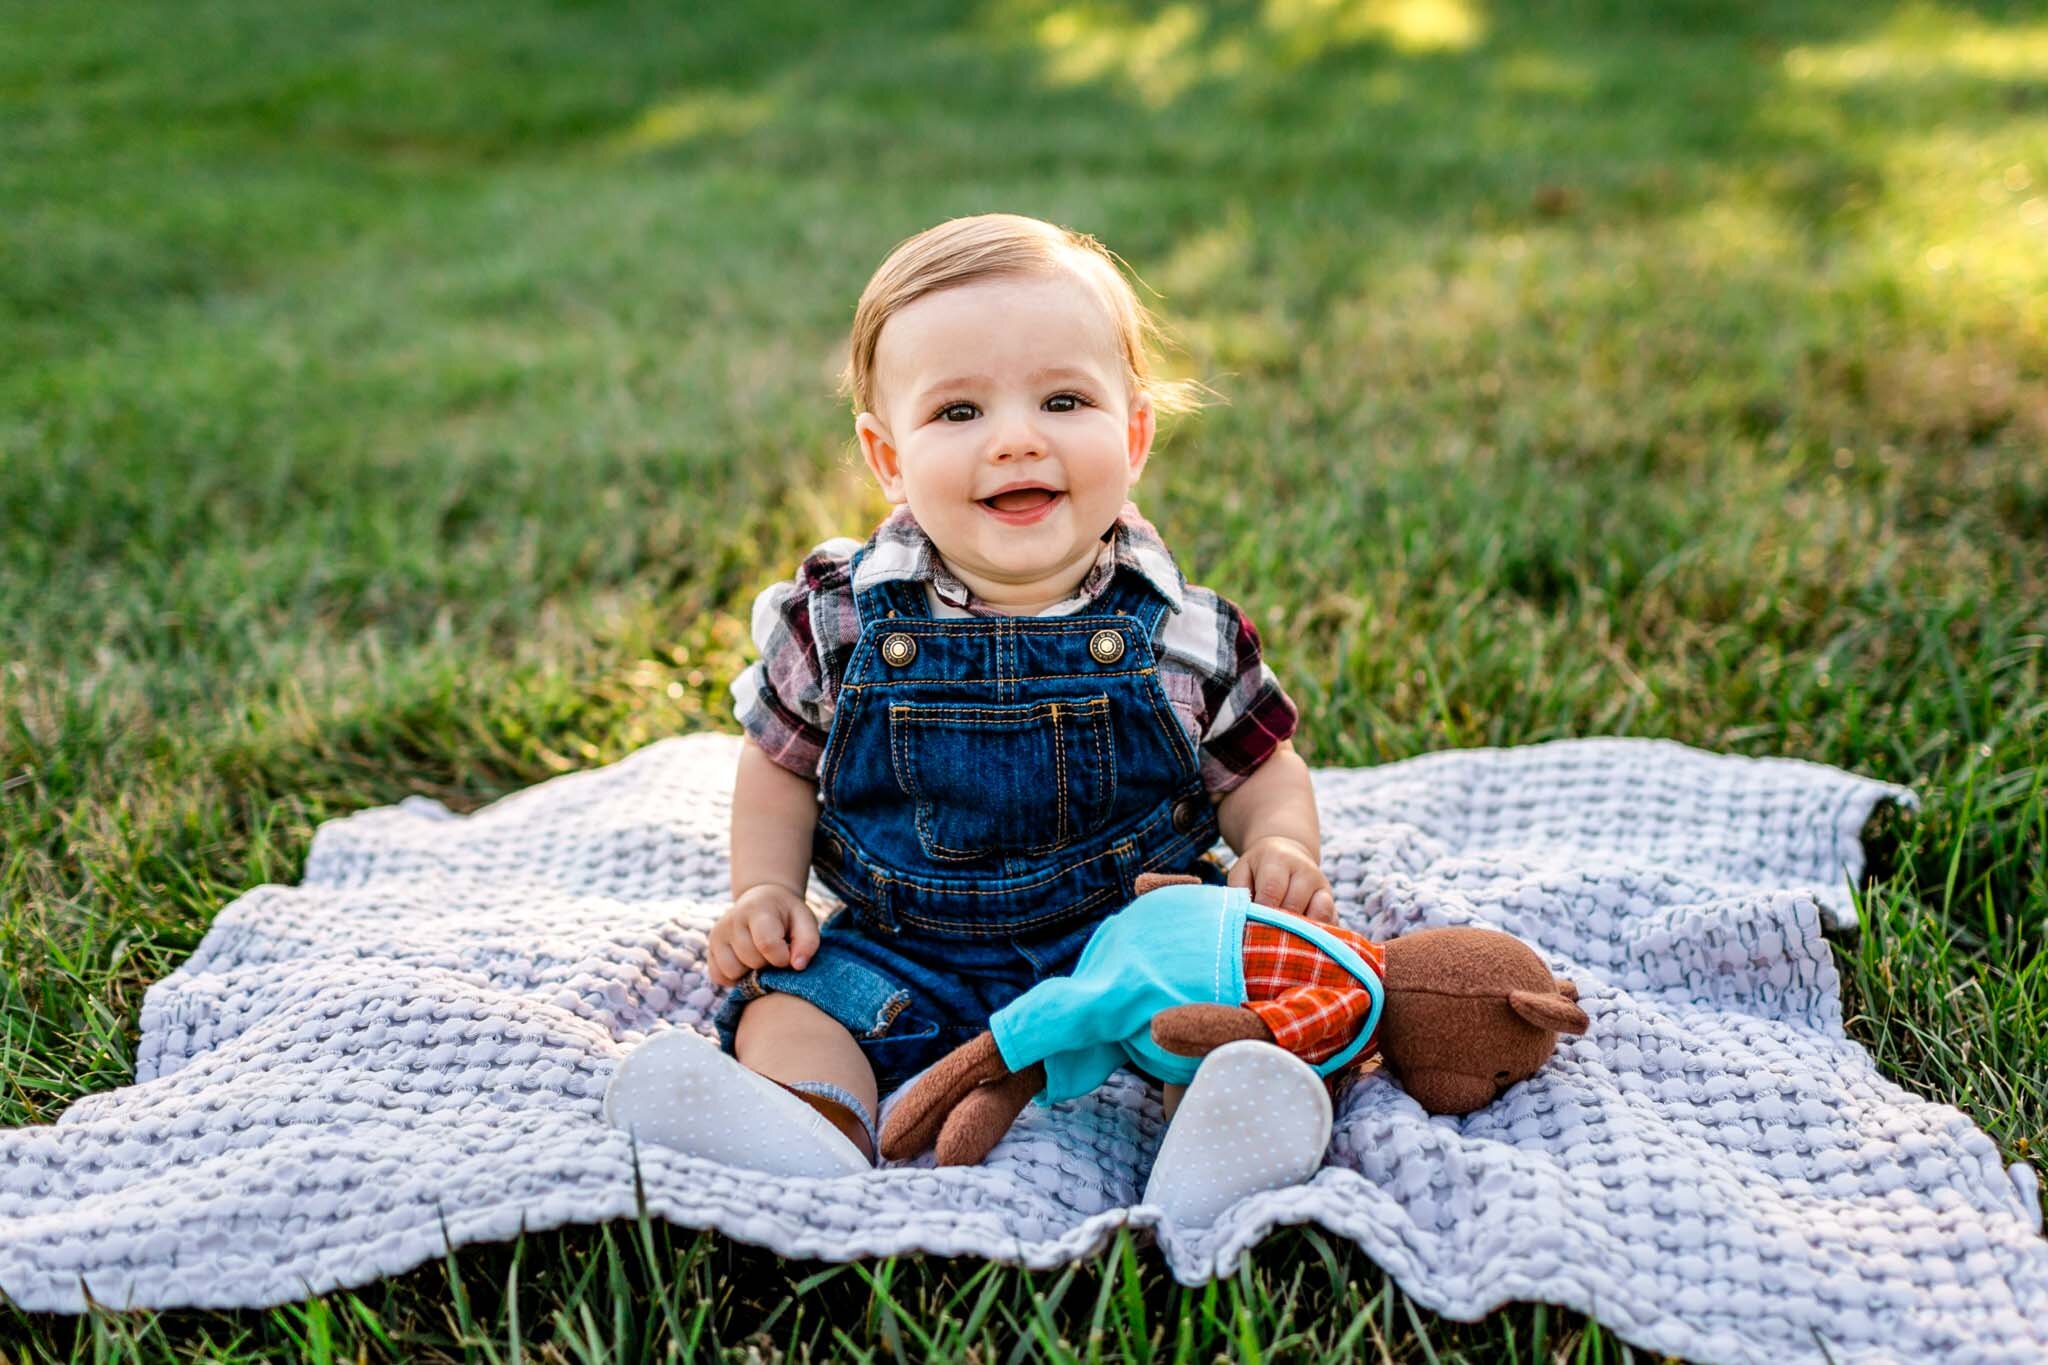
x=679, y=1090
x=1255, y=1118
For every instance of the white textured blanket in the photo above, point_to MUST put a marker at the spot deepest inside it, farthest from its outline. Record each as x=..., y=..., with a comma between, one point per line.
x=418, y=1036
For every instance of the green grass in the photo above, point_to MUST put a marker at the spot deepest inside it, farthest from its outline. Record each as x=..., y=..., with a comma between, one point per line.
x=411, y=398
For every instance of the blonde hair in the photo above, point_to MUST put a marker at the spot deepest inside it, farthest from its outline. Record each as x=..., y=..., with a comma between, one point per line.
x=964, y=250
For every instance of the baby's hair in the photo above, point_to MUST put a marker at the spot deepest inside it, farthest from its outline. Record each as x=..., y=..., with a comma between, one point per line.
x=963, y=250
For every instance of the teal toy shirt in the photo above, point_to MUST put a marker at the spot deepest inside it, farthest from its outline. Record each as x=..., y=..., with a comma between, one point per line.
x=1178, y=945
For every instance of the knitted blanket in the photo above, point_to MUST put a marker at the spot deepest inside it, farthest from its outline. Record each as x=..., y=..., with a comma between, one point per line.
x=409, y=1050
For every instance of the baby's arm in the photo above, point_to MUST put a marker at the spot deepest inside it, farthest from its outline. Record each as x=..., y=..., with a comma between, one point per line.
x=774, y=815
x=1270, y=819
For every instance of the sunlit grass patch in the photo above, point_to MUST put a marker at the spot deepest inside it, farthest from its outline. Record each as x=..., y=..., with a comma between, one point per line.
x=1921, y=42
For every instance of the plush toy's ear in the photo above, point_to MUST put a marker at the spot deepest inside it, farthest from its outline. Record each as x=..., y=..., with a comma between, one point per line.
x=1549, y=1011
x=1152, y=881
x=1566, y=987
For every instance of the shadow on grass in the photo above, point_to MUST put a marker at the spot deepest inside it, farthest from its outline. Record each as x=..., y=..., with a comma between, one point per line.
x=649, y=1290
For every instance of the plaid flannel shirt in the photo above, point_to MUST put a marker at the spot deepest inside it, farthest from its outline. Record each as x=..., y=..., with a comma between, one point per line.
x=806, y=627
x=1309, y=1001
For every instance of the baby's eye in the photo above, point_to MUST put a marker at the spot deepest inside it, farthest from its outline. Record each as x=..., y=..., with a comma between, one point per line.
x=946, y=414
x=1073, y=401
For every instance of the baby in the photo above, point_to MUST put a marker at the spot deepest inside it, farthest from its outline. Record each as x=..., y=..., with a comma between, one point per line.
x=980, y=726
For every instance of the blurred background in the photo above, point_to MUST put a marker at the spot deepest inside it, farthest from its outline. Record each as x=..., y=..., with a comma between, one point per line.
x=412, y=398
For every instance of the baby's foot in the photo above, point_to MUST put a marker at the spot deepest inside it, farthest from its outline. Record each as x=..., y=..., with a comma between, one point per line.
x=679, y=1090
x=1255, y=1118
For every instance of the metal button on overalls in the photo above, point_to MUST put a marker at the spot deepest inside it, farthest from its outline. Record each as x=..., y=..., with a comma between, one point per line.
x=898, y=650
x=1187, y=813
x=1106, y=646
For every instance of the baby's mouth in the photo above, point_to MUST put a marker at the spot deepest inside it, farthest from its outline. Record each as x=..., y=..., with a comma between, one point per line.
x=1021, y=499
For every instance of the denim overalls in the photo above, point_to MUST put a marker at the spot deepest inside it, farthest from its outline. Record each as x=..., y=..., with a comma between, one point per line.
x=992, y=786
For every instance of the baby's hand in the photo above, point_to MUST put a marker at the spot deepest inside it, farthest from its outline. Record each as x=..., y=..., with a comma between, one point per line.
x=1281, y=873
x=768, y=926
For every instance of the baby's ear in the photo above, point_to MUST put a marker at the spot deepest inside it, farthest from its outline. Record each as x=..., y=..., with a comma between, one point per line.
x=1139, y=432
x=878, y=449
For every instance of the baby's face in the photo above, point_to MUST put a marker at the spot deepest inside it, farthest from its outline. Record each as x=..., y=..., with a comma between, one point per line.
x=1005, y=422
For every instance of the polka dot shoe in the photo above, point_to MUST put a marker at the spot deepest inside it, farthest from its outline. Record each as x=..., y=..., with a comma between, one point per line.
x=679, y=1090
x=1255, y=1118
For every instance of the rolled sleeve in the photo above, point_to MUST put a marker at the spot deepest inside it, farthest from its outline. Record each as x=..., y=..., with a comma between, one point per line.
x=1249, y=715
x=1313, y=1022
x=784, y=700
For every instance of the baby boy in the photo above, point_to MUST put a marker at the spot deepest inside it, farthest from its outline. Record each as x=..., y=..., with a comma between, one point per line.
x=980, y=726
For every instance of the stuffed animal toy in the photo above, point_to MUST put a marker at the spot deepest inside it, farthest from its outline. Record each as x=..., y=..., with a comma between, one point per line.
x=1458, y=1015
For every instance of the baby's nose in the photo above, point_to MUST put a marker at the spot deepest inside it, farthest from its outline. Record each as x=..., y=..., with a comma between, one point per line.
x=1017, y=441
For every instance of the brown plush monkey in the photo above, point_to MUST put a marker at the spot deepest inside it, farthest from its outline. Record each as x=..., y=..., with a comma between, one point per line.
x=1466, y=1013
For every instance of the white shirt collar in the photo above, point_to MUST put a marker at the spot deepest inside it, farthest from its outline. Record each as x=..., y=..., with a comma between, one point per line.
x=900, y=549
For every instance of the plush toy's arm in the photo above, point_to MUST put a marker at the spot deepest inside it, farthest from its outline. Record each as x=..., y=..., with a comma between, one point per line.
x=1196, y=1030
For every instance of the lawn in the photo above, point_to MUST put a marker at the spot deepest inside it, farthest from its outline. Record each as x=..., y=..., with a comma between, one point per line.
x=412, y=398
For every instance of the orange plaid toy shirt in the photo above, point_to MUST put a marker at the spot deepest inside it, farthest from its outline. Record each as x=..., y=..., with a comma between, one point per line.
x=1309, y=1001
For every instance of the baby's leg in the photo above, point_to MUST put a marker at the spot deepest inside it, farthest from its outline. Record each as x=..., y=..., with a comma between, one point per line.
x=788, y=1039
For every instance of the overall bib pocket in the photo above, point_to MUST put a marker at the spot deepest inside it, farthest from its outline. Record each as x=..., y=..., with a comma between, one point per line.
x=1004, y=779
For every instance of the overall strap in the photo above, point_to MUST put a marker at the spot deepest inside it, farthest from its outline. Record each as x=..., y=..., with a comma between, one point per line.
x=903, y=596
x=1131, y=594
x=1346, y=957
